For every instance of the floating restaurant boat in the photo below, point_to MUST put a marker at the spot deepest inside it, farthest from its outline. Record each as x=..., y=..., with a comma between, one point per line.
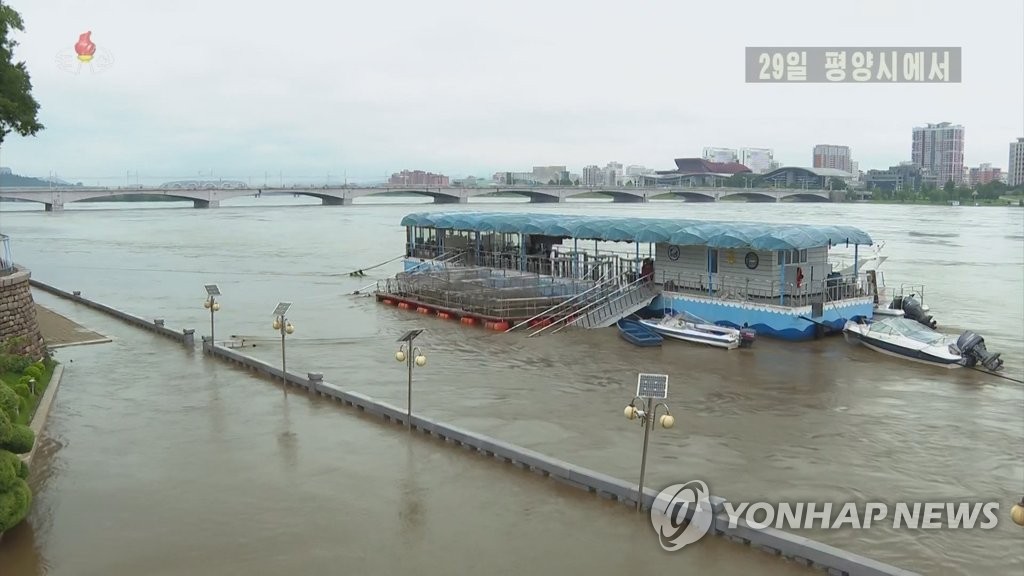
x=908, y=338
x=547, y=272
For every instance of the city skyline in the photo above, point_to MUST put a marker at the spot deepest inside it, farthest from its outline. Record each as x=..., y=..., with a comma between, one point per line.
x=453, y=91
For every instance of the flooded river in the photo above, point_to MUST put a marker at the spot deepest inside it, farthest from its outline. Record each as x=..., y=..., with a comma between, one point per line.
x=163, y=462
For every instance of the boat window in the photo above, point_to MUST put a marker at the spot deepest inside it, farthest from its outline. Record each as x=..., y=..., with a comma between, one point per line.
x=907, y=328
x=791, y=256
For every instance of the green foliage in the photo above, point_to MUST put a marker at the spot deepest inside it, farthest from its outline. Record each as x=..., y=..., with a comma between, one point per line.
x=8, y=401
x=10, y=465
x=34, y=371
x=20, y=439
x=15, y=438
x=18, y=109
x=15, y=496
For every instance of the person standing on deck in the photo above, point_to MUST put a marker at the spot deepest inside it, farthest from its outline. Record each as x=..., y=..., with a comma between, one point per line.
x=647, y=270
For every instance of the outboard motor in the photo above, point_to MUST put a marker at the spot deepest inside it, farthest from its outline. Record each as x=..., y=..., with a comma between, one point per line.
x=912, y=309
x=972, y=348
x=747, y=337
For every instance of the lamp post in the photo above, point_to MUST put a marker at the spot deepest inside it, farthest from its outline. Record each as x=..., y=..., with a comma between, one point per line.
x=649, y=387
x=410, y=355
x=212, y=291
x=281, y=323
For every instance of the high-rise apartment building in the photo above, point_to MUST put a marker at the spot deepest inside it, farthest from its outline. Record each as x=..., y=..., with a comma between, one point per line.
x=725, y=155
x=832, y=156
x=592, y=175
x=1015, y=168
x=938, y=149
x=759, y=160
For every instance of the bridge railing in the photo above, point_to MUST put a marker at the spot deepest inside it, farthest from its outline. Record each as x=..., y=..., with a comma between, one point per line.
x=6, y=257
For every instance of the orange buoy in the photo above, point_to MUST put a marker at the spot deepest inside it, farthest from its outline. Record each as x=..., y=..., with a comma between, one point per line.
x=444, y=315
x=500, y=326
x=468, y=321
x=422, y=310
x=387, y=301
x=403, y=305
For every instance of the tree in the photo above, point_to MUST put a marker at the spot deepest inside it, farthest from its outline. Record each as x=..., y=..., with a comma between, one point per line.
x=18, y=109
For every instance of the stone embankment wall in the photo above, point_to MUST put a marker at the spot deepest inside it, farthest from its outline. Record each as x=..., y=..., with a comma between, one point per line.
x=18, y=313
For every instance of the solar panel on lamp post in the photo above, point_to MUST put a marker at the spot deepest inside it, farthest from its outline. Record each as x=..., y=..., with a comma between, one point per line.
x=212, y=291
x=410, y=355
x=281, y=323
x=649, y=387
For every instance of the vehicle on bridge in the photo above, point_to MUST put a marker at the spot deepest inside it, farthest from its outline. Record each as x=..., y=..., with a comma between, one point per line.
x=549, y=271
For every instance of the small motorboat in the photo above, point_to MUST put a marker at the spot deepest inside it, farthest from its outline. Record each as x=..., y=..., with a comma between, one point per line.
x=693, y=329
x=636, y=333
x=911, y=339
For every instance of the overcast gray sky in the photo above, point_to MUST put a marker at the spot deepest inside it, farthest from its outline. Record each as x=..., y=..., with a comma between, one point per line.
x=462, y=87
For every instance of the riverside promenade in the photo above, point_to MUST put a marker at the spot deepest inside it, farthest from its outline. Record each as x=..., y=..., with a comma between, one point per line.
x=773, y=542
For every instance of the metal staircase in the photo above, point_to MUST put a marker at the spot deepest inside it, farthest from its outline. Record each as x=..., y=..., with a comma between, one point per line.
x=601, y=306
x=627, y=300
x=568, y=308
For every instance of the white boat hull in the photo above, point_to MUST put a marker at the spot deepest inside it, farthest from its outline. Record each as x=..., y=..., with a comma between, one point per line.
x=937, y=354
x=708, y=334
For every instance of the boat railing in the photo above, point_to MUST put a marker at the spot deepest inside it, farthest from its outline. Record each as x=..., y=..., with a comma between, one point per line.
x=483, y=291
x=744, y=289
x=582, y=296
x=915, y=290
x=618, y=301
x=721, y=287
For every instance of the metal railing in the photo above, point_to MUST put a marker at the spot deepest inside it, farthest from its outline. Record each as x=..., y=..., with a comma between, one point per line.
x=742, y=289
x=482, y=291
x=6, y=257
x=605, y=292
x=623, y=299
x=915, y=290
x=552, y=311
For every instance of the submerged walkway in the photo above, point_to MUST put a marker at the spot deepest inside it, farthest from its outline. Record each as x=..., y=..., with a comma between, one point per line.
x=60, y=331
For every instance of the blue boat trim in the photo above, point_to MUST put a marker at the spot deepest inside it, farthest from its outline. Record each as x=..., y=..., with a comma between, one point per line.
x=772, y=321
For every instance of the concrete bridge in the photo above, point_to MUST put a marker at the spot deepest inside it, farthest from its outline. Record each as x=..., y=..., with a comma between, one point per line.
x=209, y=197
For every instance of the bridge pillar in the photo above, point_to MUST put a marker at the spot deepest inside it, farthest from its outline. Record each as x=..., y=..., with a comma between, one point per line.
x=55, y=206
x=333, y=201
x=439, y=199
x=205, y=203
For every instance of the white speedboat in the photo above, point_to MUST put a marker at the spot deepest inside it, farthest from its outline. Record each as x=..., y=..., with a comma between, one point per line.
x=908, y=338
x=692, y=329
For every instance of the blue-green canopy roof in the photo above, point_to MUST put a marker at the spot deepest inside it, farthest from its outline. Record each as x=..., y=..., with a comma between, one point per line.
x=713, y=233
